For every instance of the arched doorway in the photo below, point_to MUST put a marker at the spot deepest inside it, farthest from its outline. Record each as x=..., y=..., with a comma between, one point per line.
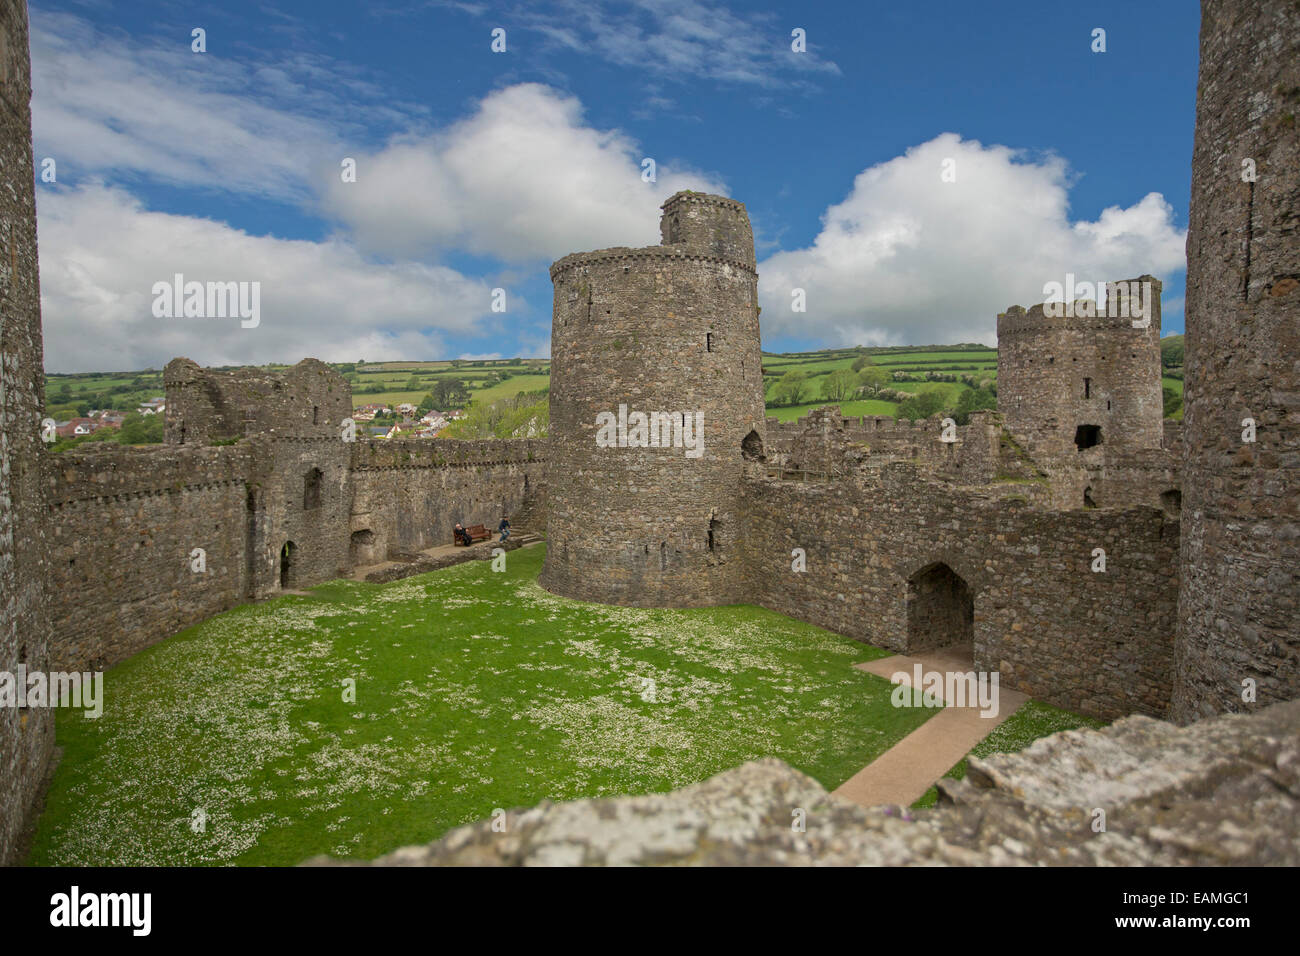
x=940, y=609
x=288, y=573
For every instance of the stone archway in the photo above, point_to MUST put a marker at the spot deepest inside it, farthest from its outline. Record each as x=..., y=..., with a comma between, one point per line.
x=940, y=609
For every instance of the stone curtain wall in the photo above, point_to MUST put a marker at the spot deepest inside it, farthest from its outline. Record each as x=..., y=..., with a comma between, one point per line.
x=824, y=442
x=669, y=328
x=1240, y=604
x=1099, y=643
x=124, y=523
x=408, y=495
x=26, y=735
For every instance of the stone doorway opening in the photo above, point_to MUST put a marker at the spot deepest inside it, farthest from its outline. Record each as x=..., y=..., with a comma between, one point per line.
x=940, y=609
x=288, y=572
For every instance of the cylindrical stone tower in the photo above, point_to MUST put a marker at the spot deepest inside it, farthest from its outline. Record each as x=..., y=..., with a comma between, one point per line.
x=656, y=403
x=1239, y=607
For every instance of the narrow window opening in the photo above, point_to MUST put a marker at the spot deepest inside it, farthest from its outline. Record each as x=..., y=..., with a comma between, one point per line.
x=311, y=483
x=1087, y=498
x=1087, y=388
x=315, y=414
x=708, y=341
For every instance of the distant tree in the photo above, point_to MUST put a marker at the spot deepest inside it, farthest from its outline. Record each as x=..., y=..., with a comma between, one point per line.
x=140, y=429
x=427, y=405
x=861, y=362
x=792, y=388
x=922, y=405
x=450, y=393
x=973, y=400
x=1173, y=401
x=1171, y=351
x=874, y=378
x=840, y=385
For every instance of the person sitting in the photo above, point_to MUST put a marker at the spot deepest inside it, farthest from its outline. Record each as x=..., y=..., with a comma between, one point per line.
x=462, y=534
x=504, y=528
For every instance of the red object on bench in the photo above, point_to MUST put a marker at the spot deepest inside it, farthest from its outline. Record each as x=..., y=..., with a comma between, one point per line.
x=477, y=532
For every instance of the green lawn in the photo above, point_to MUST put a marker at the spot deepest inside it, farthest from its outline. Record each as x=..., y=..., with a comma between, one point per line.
x=474, y=690
x=1032, y=721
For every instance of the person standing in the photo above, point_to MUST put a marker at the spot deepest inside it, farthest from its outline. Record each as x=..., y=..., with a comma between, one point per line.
x=504, y=528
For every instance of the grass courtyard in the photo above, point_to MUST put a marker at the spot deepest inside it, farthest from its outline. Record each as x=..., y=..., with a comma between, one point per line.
x=233, y=743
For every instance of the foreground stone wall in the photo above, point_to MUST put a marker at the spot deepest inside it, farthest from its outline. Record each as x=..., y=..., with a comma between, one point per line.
x=26, y=734
x=1223, y=792
x=1240, y=606
x=1096, y=643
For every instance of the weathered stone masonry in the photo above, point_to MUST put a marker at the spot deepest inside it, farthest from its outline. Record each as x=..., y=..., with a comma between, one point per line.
x=27, y=734
x=287, y=505
x=1097, y=643
x=670, y=328
x=1240, y=603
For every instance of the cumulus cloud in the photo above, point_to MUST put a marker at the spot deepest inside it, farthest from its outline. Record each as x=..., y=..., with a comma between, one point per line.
x=908, y=258
x=523, y=177
x=107, y=104
x=102, y=251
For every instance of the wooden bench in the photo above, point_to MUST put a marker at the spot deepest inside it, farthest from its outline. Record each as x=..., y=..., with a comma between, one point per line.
x=477, y=532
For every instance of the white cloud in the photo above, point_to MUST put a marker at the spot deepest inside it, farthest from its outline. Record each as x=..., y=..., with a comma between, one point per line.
x=521, y=178
x=104, y=104
x=681, y=40
x=907, y=258
x=101, y=253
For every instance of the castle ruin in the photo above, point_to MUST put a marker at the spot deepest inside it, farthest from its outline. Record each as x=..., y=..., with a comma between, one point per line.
x=913, y=533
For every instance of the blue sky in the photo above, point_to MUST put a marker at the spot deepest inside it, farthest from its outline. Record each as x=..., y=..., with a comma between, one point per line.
x=477, y=169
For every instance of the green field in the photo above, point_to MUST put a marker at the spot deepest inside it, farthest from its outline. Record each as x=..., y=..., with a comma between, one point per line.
x=789, y=413
x=394, y=378
x=474, y=690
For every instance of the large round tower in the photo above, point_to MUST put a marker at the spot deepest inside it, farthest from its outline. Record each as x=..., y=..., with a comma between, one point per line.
x=656, y=402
